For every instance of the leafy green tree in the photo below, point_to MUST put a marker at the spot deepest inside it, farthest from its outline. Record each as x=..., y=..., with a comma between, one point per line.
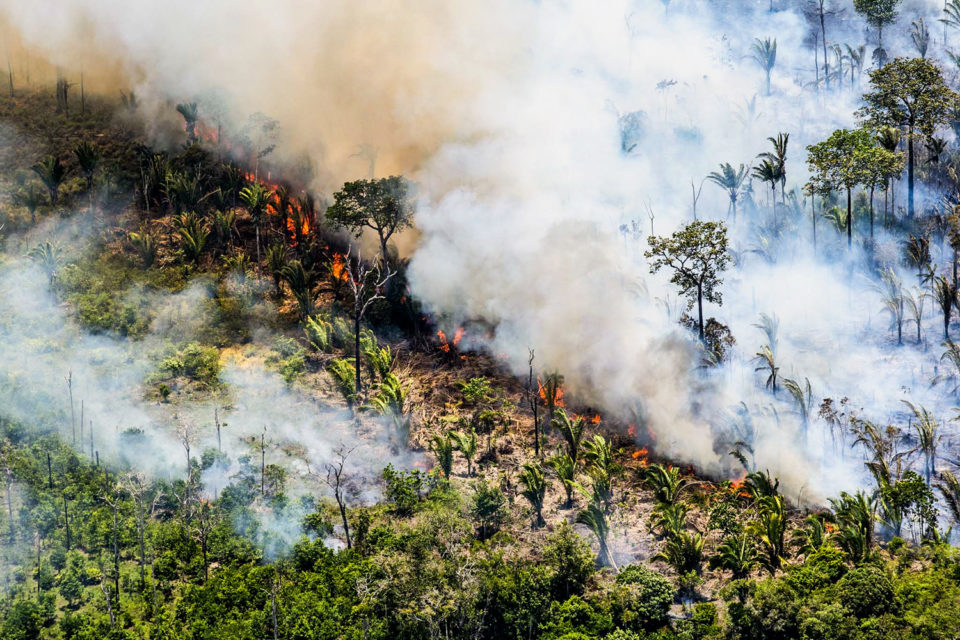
x=843, y=161
x=383, y=205
x=866, y=592
x=878, y=14
x=488, y=508
x=652, y=593
x=910, y=94
x=697, y=255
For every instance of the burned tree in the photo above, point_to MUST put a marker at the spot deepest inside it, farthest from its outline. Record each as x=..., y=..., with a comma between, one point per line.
x=366, y=285
x=338, y=483
x=697, y=254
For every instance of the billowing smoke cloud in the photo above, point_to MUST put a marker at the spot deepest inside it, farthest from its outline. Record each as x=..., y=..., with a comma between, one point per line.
x=511, y=115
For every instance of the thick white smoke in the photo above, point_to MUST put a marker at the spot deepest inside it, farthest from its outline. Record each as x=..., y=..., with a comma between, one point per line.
x=508, y=114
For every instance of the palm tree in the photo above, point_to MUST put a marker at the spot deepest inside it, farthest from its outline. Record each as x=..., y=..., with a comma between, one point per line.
x=277, y=257
x=889, y=139
x=534, y=489
x=666, y=483
x=735, y=554
x=255, y=197
x=855, y=515
x=566, y=470
x=856, y=58
x=767, y=171
x=49, y=256
x=916, y=253
x=949, y=487
x=928, y=437
x=442, y=447
x=30, y=197
x=952, y=358
x=669, y=519
x=803, y=397
x=893, y=300
x=765, y=55
x=812, y=537
x=770, y=326
x=552, y=392
x=594, y=518
x=192, y=233
x=770, y=530
x=598, y=453
x=915, y=304
x=301, y=279
x=683, y=552
x=466, y=444
x=778, y=157
x=767, y=362
x=391, y=400
x=572, y=432
x=732, y=180
x=190, y=114
x=920, y=36
x=760, y=485
x=144, y=244
x=87, y=158
x=945, y=294
x=52, y=172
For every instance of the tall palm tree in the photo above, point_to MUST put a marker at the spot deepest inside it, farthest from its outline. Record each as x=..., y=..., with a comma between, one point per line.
x=803, y=397
x=920, y=36
x=732, y=180
x=889, y=139
x=856, y=515
x=778, y=157
x=893, y=300
x=949, y=487
x=534, y=489
x=766, y=361
x=190, y=114
x=768, y=172
x=915, y=305
x=255, y=197
x=765, y=55
x=52, y=173
x=945, y=293
x=928, y=437
x=594, y=518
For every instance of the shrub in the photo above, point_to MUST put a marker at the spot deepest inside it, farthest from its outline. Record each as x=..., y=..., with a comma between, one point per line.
x=193, y=361
x=866, y=591
x=652, y=596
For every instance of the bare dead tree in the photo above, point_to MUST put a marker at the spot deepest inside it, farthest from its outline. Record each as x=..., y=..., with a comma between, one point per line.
x=73, y=423
x=366, y=284
x=336, y=481
x=106, y=593
x=696, y=191
x=8, y=476
x=136, y=485
x=533, y=400
x=203, y=524
x=218, y=424
x=114, y=503
x=185, y=435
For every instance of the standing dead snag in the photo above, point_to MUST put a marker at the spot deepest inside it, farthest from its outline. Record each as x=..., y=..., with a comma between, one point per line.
x=337, y=482
x=73, y=422
x=114, y=504
x=533, y=400
x=366, y=285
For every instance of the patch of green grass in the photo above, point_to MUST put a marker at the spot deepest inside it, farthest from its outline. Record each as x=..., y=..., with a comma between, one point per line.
x=192, y=361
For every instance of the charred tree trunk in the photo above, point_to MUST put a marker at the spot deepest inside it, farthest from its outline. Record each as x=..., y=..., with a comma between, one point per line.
x=849, y=217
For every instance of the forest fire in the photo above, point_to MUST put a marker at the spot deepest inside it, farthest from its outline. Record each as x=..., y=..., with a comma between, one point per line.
x=445, y=345
x=640, y=455
x=558, y=397
x=338, y=268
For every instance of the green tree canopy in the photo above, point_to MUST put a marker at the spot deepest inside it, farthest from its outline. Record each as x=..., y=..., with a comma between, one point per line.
x=910, y=94
x=697, y=254
x=383, y=205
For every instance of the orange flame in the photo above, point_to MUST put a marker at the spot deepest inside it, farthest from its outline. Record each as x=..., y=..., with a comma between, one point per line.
x=557, y=400
x=596, y=419
x=632, y=430
x=446, y=345
x=640, y=455
x=339, y=267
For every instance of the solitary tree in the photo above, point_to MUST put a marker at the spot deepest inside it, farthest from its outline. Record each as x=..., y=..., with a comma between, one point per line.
x=878, y=14
x=697, y=254
x=383, y=205
x=731, y=180
x=912, y=94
